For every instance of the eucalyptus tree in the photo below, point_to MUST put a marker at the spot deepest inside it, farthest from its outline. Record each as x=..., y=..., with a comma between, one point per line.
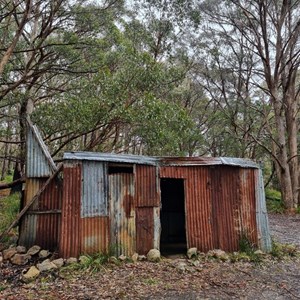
x=35, y=41
x=269, y=31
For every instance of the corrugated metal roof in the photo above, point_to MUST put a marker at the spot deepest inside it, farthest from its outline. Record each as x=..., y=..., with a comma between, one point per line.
x=208, y=161
x=111, y=157
x=240, y=162
x=165, y=161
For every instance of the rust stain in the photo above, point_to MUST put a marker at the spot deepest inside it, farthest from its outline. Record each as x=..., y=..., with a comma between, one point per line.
x=70, y=241
x=128, y=204
x=94, y=235
x=48, y=224
x=147, y=187
x=144, y=229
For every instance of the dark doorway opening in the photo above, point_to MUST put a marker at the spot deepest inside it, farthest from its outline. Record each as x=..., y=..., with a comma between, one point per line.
x=172, y=217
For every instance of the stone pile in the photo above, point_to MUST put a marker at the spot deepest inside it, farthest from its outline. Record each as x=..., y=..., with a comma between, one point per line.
x=43, y=260
x=21, y=256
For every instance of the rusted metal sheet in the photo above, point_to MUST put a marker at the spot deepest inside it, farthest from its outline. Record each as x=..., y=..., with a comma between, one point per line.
x=247, y=206
x=198, y=208
x=122, y=213
x=207, y=161
x=70, y=239
x=94, y=189
x=94, y=235
x=39, y=162
x=173, y=172
x=111, y=157
x=225, y=195
x=147, y=186
x=41, y=224
x=189, y=161
x=28, y=225
x=219, y=204
x=144, y=229
x=49, y=217
x=27, y=233
x=264, y=238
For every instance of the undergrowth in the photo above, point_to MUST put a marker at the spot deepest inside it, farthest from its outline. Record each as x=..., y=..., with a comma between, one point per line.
x=274, y=201
x=88, y=263
x=9, y=209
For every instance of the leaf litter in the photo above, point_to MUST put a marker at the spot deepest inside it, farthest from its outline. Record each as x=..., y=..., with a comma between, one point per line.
x=209, y=279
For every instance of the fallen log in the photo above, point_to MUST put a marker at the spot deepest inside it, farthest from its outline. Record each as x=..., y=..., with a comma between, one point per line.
x=9, y=185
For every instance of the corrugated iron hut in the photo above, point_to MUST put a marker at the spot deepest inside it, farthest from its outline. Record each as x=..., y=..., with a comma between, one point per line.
x=134, y=203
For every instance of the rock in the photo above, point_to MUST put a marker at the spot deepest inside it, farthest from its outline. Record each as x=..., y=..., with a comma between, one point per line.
x=153, y=255
x=71, y=260
x=34, y=250
x=259, y=252
x=135, y=257
x=181, y=266
x=1, y=259
x=32, y=273
x=58, y=262
x=20, y=259
x=21, y=249
x=192, y=252
x=196, y=263
x=142, y=257
x=122, y=257
x=46, y=265
x=9, y=253
x=290, y=249
x=218, y=253
x=113, y=260
x=44, y=253
x=83, y=259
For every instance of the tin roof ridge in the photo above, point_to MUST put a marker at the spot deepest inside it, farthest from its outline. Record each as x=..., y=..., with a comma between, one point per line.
x=164, y=160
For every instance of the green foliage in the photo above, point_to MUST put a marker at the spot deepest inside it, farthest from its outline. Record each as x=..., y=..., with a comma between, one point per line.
x=9, y=208
x=245, y=245
x=283, y=250
x=88, y=263
x=247, y=250
x=274, y=201
x=2, y=287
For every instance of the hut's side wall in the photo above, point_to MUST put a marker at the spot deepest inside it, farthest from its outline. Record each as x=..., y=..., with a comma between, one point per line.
x=264, y=239
x=198, y=206
x=41, y=223
x=248, y=204
x=220, y=205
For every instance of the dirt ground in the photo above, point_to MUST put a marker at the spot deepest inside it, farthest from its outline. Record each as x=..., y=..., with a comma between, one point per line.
x=208, y=279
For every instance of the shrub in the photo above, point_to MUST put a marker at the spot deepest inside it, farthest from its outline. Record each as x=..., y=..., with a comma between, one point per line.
x=274, y=201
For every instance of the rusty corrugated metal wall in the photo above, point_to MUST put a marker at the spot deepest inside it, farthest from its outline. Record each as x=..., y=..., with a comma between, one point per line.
x=70, y=238
x=41, y=224
x=122, y=213
x=85, y=221
x=94, y=221
x=147, y=208
x=219, y=203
